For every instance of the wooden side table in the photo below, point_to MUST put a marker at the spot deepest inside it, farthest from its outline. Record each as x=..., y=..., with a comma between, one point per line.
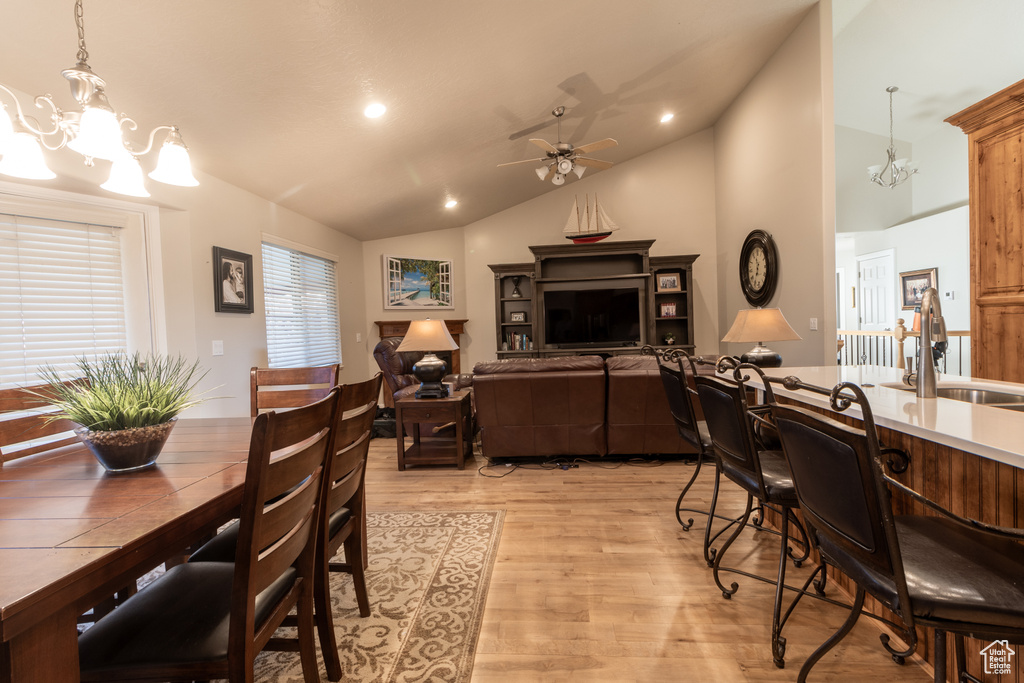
x=433, y=450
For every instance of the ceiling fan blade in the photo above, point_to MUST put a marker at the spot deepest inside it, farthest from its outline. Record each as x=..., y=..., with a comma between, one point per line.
x=595, y=146
x=593, y=163
x=544, y=145
x=524, y=161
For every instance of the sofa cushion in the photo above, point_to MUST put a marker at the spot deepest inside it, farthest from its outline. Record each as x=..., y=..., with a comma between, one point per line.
x=639, y=420
x=553, y=364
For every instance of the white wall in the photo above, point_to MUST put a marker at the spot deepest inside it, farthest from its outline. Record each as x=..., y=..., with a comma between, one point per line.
x=938, y=241
x=667, y=195
x=942, y=181
x=773, y=172
x=440, y=245
x=193, y=221
x=860, y=204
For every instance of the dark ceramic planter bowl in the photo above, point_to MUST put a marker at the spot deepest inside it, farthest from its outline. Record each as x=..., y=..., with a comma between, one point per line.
x=127, y=450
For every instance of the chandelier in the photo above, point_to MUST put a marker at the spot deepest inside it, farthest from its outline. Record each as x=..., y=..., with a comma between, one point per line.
x=899, y=170
x=95, y=132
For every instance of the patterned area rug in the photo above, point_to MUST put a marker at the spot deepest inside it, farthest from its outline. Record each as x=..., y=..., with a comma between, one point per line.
x=427, y=580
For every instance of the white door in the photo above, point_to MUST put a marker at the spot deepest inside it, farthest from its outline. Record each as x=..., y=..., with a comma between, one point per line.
x=876, y=285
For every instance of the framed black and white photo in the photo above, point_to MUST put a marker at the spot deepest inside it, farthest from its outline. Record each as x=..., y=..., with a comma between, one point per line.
x=668, y=282
x=518, y=316
x=232, y=281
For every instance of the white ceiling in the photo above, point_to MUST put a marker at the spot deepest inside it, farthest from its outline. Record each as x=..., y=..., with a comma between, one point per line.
x=944, y=55
x=269, y=93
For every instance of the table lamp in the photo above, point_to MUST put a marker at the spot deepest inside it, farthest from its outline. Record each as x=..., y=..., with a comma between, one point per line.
x=429, y=336
x=759, y=325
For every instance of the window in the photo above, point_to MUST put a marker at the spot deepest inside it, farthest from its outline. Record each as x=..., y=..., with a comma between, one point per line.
x=300, y=291
x=61, y=295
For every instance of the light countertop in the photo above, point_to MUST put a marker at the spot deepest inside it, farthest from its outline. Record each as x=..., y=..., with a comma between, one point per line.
x=994, y=433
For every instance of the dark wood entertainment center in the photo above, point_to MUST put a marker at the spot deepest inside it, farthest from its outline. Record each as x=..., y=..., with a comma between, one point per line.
x=519, y=320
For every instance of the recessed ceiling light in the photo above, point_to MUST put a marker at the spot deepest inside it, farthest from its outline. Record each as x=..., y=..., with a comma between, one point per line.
x=375, y=110
x=450, y=204
x=664, y=119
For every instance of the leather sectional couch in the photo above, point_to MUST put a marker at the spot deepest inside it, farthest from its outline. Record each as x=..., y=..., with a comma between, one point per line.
x=574, y=406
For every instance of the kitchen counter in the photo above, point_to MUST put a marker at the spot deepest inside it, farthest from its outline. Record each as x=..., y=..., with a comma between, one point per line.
x=993, y=433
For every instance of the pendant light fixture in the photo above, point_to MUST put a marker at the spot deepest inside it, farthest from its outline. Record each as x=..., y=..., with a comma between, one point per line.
x=899, y=170
x=95, y=132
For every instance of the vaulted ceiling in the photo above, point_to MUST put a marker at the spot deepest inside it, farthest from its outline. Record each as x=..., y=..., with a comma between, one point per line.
x=269, y=94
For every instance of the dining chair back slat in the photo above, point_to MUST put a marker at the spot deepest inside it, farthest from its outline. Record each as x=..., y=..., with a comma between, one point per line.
x=25, y=424
x=308, y=385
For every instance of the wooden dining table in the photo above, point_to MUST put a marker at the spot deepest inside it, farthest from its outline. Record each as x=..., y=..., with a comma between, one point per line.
x=72, y=534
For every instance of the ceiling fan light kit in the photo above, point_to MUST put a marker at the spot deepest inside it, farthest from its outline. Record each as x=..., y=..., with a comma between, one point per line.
x=563, y=158
x=95, y=132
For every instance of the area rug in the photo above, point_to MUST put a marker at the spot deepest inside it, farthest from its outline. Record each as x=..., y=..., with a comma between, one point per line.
x=427, y=580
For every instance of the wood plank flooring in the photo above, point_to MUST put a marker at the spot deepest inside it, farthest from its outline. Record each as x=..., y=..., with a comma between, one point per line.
x=595, y=580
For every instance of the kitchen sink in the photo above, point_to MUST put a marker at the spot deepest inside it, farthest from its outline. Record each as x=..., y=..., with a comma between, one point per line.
x=987, y=397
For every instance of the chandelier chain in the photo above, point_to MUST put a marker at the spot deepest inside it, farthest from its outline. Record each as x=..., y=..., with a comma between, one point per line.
x=891, y=143
x=83, y=54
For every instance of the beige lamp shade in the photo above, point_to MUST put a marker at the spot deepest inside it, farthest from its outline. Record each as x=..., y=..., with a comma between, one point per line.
x=757, y=325
x=428, y=335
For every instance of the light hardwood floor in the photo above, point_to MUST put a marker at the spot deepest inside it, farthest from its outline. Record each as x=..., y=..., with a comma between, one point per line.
x=595, y=580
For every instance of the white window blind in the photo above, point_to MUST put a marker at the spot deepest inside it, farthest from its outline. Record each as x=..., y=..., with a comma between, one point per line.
x=300, y=293
x=61, y=295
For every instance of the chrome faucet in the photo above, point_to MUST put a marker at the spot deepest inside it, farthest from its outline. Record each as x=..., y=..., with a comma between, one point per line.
x=933, y=328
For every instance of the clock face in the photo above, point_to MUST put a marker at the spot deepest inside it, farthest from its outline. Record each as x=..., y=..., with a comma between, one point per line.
x=759, y=269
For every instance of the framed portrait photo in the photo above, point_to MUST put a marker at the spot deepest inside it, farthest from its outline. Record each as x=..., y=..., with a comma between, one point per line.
x=913, y=284
x=232, y=281
x=667, y=310
x=518, y=316
x=668, y=282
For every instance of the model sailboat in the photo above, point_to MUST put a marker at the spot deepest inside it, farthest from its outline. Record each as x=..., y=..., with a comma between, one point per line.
x=589, y=225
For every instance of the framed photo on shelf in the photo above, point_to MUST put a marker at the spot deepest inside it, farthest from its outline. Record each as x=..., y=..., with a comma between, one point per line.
x=668, y=282
x=913, y=284
x=667, y=310
x=518, y=316
x=232, y=281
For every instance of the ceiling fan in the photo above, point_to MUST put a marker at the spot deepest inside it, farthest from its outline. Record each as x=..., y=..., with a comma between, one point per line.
x=563, y=158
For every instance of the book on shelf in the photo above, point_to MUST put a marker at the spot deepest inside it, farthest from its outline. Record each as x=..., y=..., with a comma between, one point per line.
x=517, y=341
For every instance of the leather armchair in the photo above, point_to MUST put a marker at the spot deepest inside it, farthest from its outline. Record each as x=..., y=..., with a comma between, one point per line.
x=397, y=370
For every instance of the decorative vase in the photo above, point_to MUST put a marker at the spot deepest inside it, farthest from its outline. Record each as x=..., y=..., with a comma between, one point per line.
x=127, y=450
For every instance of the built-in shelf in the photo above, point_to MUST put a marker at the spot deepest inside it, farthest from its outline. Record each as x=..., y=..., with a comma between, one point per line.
x=594, y=278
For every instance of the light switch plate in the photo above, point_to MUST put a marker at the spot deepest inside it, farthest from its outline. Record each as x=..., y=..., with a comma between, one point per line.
x=218, y=347
x=359, y=337
x=814, y=324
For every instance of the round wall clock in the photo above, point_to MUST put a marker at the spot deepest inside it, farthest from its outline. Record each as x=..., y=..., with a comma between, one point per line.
x=759, y=267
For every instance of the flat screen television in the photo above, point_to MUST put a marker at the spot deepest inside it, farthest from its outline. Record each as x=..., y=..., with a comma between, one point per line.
x=592, y=317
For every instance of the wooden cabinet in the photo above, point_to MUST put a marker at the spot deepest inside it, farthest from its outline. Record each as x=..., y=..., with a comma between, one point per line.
x=514, y=309
x=625, y=265
x=995, y=134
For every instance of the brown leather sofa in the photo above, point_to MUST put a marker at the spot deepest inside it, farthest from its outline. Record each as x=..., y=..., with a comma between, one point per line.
x=574, y=406
x=541, y=406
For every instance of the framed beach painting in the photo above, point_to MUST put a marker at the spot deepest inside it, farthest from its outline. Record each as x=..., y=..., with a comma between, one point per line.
x=417, y=283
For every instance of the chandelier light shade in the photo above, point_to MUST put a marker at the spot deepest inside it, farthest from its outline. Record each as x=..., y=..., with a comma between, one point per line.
x=899, y=170
x=757, y=326
x=95, y=132
x=429, y=336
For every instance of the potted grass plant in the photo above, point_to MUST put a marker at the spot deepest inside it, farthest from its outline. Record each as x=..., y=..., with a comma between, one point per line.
x=125, y=404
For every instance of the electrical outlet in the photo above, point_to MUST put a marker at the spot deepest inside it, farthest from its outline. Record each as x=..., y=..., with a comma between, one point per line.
x=218, y=347
x=814, y=324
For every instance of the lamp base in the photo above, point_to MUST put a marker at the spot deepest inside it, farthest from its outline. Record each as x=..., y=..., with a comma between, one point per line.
x=430, y=370
x=762, y=357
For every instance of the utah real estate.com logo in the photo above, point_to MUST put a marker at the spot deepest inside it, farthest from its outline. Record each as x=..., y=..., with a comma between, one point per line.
x=998, y=657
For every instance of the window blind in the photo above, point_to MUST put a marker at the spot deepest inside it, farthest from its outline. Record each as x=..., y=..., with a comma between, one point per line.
x=61, y=295
x=300, y=294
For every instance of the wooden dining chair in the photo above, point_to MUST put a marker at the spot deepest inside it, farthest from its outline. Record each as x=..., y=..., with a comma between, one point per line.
x=345, y=512
x=342, y=519
x=25, y=427
x=273, y=388
x=204, y=620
